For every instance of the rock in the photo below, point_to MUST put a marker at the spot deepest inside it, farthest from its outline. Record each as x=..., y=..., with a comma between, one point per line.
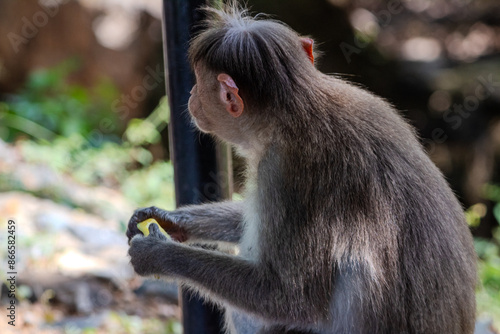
x=51, y=222
x=98, y=238
x=76, y=324
x=484, y=327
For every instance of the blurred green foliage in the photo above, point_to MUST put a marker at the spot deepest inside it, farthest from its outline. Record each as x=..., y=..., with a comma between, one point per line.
x=50, y=106
x=129, y=168
x=492, y=193
x=475, y=213
x=123, y=323
x=488, y=251
x=152, y=185
x=67, y=127
x=147, y=131
x=488, y=292
x=108, y=165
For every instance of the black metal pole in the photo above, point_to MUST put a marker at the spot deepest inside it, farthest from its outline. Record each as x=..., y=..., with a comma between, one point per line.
x=193, y=155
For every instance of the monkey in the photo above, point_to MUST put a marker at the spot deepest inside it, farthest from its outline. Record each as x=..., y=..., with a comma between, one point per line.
x=346, y=226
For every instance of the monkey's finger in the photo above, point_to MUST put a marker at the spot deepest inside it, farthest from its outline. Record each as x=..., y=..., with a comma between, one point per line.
x=142, y=214
x=154, y=231
x=138, y=216
x=135, y=238
x=132, y=231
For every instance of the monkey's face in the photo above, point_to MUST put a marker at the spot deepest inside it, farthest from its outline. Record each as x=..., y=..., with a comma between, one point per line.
x=203, y=104
x=198, y=102
x=196, y=109
x=207, y=107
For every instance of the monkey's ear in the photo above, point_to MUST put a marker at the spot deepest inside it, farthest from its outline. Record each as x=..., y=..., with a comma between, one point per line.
x=307, y=44
x=229, y=95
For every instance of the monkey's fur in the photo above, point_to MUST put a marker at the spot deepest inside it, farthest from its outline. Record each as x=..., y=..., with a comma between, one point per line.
x=346, y=227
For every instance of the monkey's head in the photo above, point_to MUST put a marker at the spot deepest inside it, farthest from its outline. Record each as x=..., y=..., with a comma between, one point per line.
x=247, y=72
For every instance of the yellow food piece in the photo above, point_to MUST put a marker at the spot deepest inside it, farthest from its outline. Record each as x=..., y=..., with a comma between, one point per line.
x=144, y=227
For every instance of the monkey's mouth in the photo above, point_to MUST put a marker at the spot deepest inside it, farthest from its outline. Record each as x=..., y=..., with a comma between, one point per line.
x=195, y=113
x=199, y=124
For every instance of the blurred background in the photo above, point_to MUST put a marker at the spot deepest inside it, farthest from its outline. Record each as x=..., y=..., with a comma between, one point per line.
x=84, y=137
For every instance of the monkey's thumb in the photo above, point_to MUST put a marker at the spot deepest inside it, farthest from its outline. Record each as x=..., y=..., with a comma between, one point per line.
x=144, y=227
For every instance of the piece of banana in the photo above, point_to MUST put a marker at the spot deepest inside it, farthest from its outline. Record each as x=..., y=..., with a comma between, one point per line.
x=144, y=227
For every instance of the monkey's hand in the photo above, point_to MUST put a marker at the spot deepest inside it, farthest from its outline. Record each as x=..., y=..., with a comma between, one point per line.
x=144, y=251
x=166, y=219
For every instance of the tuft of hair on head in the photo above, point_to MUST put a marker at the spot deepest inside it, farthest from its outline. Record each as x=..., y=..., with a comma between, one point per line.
x=226, y=11
x=264, y=57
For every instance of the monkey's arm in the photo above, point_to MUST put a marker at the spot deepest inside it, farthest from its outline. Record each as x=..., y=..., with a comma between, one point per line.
x=242, y=283
x=215, y=221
